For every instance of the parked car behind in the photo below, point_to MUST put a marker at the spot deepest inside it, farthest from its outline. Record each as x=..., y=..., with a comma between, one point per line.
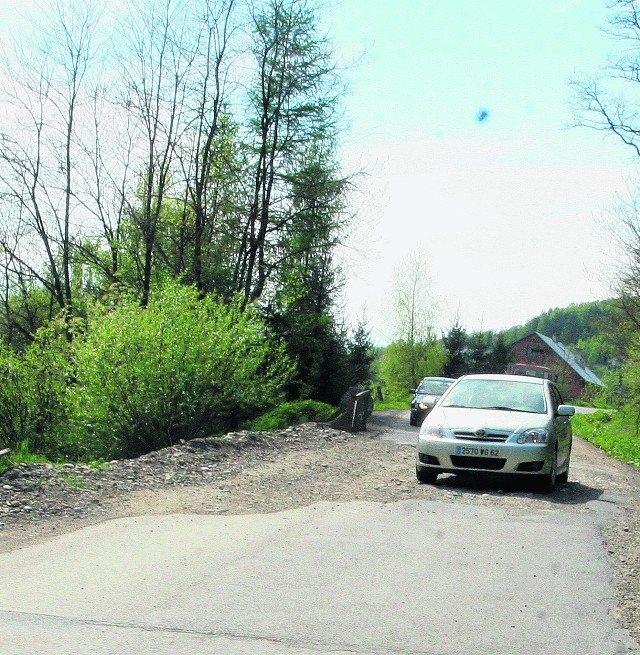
x=533, y=370
x=499, y=424
x=426, y=396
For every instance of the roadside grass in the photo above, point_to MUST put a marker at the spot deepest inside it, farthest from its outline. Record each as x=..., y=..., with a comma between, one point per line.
x=20, y=455
x=614, y=432
x=391, y=404
x=73, y=480
x=23, y=455
x=291, y=413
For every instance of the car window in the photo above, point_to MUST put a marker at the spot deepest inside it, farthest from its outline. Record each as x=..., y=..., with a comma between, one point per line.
x=498, y=394
x=556, y=398
x=434, y=387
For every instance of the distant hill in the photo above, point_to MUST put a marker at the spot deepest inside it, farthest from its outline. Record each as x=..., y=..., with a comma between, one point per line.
x=570, y=324
x=584, y=328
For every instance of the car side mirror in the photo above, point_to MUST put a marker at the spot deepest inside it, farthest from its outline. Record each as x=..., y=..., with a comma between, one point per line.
x=566, y=410
x=412, y=390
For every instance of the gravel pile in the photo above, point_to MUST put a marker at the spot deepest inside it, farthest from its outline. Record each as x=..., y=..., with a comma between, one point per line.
x=32, y=494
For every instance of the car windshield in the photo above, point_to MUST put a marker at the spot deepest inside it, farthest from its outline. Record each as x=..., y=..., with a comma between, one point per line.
x=498, y=394
x=433, y=387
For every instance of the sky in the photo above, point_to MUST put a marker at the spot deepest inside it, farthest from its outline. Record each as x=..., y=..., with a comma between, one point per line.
x=459, y=116
x=460, y=113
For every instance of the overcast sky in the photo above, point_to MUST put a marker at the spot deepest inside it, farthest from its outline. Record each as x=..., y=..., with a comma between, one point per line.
x=460, y=111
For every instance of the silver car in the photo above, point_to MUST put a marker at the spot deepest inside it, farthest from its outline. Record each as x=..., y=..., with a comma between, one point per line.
x=502, y=424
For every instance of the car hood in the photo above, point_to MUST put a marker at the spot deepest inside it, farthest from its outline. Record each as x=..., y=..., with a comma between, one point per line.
x=463, y=418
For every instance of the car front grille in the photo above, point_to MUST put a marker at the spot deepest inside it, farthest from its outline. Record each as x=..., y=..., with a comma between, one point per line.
x=484, y=463
x=473, y=436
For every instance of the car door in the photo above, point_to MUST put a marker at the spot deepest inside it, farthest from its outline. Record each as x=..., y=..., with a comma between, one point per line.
x=561, y=428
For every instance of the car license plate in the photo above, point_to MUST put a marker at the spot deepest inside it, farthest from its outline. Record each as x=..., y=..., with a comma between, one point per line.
x=477, y=452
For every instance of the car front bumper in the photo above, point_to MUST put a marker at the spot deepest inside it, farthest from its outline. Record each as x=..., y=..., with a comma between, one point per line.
x=458, y=456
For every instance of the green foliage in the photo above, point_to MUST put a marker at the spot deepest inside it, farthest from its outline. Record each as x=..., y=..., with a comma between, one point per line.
x=499, y=356
x=20, y=454
x=478, y=354
x=361, y=356
x=598, y=352
x=393, y=404
x=613, y=394
x=24, y=313
x=615, y=432
x=32, y=396
x=319, y=352
x=455, y=344
x=569, y=325
x=292, y=413
x=630, y=373
x=13, y=406
x=396, y=366
x=178, y=369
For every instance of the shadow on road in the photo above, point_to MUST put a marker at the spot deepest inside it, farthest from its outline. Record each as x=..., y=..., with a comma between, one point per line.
x=570, y=493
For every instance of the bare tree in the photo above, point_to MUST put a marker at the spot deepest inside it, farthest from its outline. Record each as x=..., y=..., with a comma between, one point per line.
x=39, y=156
x=611, y=103
x=156, y=68
x=206, y=133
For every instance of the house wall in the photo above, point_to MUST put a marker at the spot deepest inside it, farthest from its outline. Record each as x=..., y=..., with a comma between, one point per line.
x=532, y=350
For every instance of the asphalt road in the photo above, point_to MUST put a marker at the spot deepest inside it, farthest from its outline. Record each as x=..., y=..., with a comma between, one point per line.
x=412, y=577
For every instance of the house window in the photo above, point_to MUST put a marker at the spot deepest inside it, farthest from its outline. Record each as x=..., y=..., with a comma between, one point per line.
x=535, y=354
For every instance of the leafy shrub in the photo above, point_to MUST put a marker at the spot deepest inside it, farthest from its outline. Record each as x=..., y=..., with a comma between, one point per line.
x=13, y=406
x=400, y=358
x=292, y=413
x=180, y=368
x=32, y=396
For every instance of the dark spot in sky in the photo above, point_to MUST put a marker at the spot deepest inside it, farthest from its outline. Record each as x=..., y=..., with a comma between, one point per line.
x=482, y=115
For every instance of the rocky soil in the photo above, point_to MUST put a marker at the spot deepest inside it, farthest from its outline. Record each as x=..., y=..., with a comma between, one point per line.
x=251, y=472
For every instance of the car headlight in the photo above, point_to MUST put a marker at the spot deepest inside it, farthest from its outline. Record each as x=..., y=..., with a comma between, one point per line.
x=424, y=405
x=432, y=430
x=535, y=435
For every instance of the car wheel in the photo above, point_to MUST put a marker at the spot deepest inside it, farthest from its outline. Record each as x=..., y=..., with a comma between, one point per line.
x=426, y=476
x=412, y=421
x=547, y=482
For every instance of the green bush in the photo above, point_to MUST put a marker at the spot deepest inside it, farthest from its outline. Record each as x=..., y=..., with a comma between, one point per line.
x=180, y=368
x=292, y=413
x=400, y=358
x=32, y=396
x=13, y=403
